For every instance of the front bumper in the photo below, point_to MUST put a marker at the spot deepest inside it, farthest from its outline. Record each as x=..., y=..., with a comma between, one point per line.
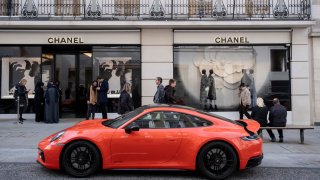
x=49, y=154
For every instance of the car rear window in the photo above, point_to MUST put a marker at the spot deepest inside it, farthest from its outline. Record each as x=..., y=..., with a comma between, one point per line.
x=219, y=117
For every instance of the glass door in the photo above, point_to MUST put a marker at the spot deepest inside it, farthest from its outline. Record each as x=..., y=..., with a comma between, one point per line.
x=66, y=75
x=84, y=82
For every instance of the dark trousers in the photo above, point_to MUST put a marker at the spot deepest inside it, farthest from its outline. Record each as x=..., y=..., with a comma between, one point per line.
x=91, y=110
x=20, y=112
x=104, y=110
x=244, y=110
x=40, y=114
x=280, y=132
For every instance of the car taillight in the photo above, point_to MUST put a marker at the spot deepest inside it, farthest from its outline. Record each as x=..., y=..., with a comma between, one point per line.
x=251, y=137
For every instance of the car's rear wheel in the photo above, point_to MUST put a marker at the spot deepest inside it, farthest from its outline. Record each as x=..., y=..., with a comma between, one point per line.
x=217, y=160
x=81, y=159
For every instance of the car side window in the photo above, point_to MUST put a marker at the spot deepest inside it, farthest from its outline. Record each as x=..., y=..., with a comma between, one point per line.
x=188, y=121
x=153, y=120
x=169, y=119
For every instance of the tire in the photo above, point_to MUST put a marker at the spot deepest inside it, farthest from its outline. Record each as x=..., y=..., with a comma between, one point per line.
x=80, y=159
x=217, y=160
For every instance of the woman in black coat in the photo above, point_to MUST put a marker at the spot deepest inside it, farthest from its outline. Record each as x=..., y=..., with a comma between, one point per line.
x=39, y=101
x=125, y=100
x=260, y=113
x=21, y=96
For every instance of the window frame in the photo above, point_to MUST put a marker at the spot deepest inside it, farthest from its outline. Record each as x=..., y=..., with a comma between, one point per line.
x=182, y=113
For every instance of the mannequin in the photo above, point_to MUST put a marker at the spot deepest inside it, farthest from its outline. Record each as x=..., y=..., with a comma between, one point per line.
x=212, y=91
x=252, y=88
x=204, y=89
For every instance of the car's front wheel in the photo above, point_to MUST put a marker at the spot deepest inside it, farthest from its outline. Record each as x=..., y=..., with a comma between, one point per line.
x=217, y=160
x=80, y=159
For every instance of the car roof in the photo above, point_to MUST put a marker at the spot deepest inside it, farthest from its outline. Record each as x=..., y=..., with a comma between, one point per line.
x=151, y=106
x=167, y=106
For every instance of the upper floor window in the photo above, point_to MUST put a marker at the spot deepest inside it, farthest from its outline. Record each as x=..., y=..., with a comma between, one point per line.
x=67, y=7
x=127, y=7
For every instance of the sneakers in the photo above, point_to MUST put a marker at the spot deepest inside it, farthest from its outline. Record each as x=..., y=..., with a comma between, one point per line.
x=281, y=140
x=273, y=140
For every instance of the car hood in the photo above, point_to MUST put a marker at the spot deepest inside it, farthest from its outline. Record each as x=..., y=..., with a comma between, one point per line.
x=88, y=124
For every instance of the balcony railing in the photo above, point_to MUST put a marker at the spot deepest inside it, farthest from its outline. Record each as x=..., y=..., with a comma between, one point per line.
x=155, y=9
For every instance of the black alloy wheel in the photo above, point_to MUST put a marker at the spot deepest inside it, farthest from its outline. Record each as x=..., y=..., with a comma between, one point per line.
x=217, y=160
x=81, y=159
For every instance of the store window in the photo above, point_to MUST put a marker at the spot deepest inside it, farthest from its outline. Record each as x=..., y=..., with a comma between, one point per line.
x=17, y=63
x=119, y=65
x=279, y=60
x=208, y=77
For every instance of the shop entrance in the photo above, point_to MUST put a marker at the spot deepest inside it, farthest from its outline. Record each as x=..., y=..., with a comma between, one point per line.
x=72, y=69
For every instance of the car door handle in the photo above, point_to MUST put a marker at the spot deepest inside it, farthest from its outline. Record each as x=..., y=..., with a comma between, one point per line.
x=172, y=140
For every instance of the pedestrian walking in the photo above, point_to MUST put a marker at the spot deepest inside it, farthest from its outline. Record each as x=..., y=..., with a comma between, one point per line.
x=39, y=101
x=92, y=99
x=245, y=101
x=125, y=100
x=103, y=88
x=260, y=113
x=277, y=118
x=52, y=103
x=21, y=97
x=159, y=95
x=170, y=91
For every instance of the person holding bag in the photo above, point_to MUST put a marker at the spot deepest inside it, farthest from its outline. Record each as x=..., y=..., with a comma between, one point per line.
x=92, y=99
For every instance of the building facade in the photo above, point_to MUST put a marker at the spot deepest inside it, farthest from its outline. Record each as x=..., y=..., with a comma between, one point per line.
x=269, y=45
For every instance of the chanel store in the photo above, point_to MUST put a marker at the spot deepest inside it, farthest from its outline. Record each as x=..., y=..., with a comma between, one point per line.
x=272, y=63
x=75, y=59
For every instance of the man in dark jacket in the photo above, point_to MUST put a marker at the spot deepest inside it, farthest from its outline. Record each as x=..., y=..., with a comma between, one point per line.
x=277, y=118
x=103, y=96
x=169, y=92
x=159, y=96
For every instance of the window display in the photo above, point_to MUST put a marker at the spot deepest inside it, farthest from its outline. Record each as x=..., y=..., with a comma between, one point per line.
x=119, y=65
x=16, y=69
x=209, y=76
x=17, y=63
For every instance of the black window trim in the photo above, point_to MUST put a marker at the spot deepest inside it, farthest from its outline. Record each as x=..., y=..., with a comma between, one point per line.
x=143, y=114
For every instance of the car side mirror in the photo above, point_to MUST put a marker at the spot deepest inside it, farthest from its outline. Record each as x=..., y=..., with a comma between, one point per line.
x=129, y=130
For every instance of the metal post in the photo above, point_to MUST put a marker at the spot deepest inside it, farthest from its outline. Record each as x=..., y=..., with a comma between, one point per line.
x=18, y=107
x=234, y=7
x=171, y=9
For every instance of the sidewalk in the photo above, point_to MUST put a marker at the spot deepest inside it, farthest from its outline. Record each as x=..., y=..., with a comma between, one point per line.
x=19, y=144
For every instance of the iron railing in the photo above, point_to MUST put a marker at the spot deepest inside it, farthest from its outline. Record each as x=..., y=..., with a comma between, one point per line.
x=156, y=9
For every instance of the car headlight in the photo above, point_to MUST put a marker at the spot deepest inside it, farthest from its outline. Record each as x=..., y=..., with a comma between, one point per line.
x=251, y=137
x=57, y=136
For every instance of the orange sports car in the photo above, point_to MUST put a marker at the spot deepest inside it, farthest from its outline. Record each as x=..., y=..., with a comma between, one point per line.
x=155, y=137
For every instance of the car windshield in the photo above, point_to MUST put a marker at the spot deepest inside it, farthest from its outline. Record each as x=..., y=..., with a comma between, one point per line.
x=117, y=122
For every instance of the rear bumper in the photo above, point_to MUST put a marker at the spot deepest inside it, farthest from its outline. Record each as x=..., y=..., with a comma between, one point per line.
x=254, y=161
